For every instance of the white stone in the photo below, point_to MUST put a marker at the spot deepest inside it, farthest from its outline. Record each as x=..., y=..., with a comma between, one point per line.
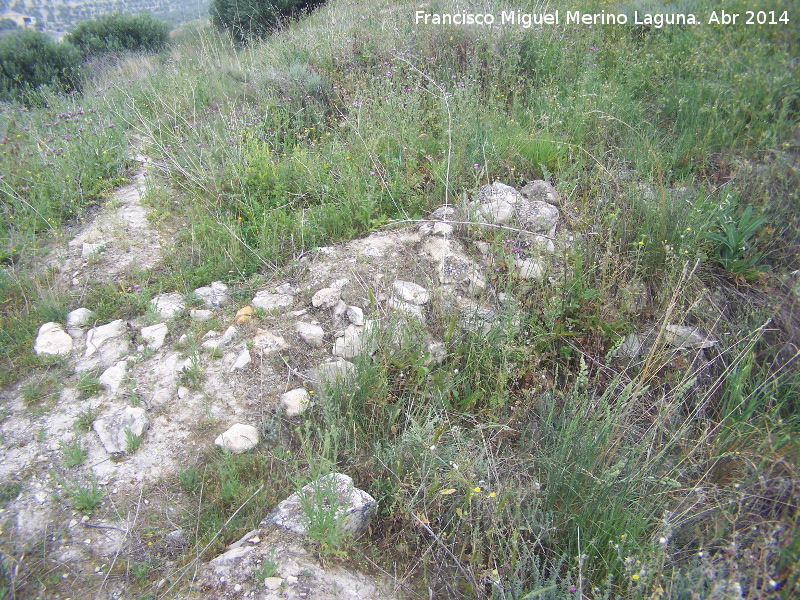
x=442, y=229
x=241, y=361
x=97, y=336
x=227, y=337
x=200, y=315
x=79, y=317
x=222, y=563
x=238, y=438
x=183, y=392
x=498, y=211
x=88, y=249
x=285, y=288
x=111, y=428
x=267, y=343
x=528, y=269
x=154, y=335
x=411, y=292
x=214, y=295
x=355, y=315
x=312, y=334
x=52, y=340
x=273, y=583
x=326, y=297
x=168, y=305
x=295, y=402
x=351, y=504
x=267, y=301
x=112, y=377
x=631, y=346
x=436, y=353
x=340, y=283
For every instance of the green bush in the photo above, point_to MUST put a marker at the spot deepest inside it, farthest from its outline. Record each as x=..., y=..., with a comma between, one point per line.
x=255, y=18
x=120, y=32
x=30, y=59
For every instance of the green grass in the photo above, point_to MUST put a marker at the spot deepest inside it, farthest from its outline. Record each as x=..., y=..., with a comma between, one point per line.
x=85, y=498
x=75, y=454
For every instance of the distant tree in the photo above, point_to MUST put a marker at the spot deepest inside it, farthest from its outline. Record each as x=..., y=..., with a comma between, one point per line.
x=255, y=18
x=119, y=32
x=30, y=59
x=7, y=24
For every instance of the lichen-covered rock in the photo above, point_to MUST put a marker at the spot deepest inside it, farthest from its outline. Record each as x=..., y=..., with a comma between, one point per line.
x=537, y=217
x=542, y=191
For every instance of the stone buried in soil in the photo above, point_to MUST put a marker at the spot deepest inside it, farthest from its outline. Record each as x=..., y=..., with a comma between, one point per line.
x=213, y=296
x=268, y=302
x=111, y=428
x=201, y=315
x=356, y=504
x=97, y=336
x=168, y=305
x=155, y=335
x=241, y=361
x=268, y=343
